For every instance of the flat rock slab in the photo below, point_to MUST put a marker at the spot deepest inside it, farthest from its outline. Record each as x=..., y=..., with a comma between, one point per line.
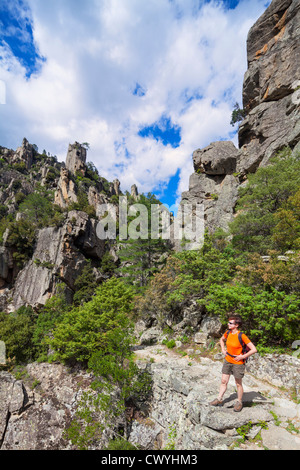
x=277, y=438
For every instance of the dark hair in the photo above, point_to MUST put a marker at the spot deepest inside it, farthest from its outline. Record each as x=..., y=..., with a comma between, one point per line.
x=238, y=320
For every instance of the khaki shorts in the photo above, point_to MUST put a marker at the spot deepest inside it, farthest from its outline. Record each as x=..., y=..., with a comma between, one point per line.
x=237, y=370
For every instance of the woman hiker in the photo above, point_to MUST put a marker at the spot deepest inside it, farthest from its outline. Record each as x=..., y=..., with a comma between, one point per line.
x=234, y=360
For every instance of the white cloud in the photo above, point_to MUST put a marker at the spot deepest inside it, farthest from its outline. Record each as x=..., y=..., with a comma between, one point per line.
x=188, y=61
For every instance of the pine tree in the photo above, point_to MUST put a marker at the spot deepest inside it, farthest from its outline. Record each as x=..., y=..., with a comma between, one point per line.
x=141, y=256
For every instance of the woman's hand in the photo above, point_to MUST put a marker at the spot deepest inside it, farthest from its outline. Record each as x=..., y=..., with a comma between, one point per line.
x=239, y=358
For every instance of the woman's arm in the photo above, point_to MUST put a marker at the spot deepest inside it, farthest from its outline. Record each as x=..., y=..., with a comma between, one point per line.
x=223, y=347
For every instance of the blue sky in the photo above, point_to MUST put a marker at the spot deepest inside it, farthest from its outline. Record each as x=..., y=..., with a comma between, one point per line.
x=144, y=82
x=17, y=33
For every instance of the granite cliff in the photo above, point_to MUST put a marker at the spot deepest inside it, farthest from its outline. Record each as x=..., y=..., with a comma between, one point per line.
x=59, y=247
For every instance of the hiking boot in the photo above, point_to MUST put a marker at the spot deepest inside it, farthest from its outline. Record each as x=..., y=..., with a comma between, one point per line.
x=216, y=402
x=238, y=406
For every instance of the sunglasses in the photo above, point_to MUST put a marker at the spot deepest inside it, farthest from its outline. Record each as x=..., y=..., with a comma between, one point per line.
x=231, y=323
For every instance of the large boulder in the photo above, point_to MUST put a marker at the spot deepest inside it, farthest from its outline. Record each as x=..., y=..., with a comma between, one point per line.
x=218, y=158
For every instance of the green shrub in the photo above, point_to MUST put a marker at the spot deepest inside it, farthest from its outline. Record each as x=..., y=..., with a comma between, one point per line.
x=170, y=344
x=49, y=316
x=82, y=331
x=19, y=198
x=271, y=318
x=120, y=444
x=267, y=191
x=118, y=381
x=85, y=285
x=201, y=268
x=16, y=330
x=21, y=237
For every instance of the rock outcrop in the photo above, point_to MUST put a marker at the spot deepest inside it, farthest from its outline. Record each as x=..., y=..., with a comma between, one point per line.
x=181, y=413
x=59, y=251
x=271, y=91
x=65, y=192
x=271, y=99
x=134, y=192
x=98, y=193
x=76, y=158
x=59, y=257
x=35, y=413
x=35, y=410
x=214, y=183
x=24, y=154
x=218, y=158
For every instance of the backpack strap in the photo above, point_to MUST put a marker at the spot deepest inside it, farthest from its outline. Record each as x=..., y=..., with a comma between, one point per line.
x=240, y=336
x=244, y=346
